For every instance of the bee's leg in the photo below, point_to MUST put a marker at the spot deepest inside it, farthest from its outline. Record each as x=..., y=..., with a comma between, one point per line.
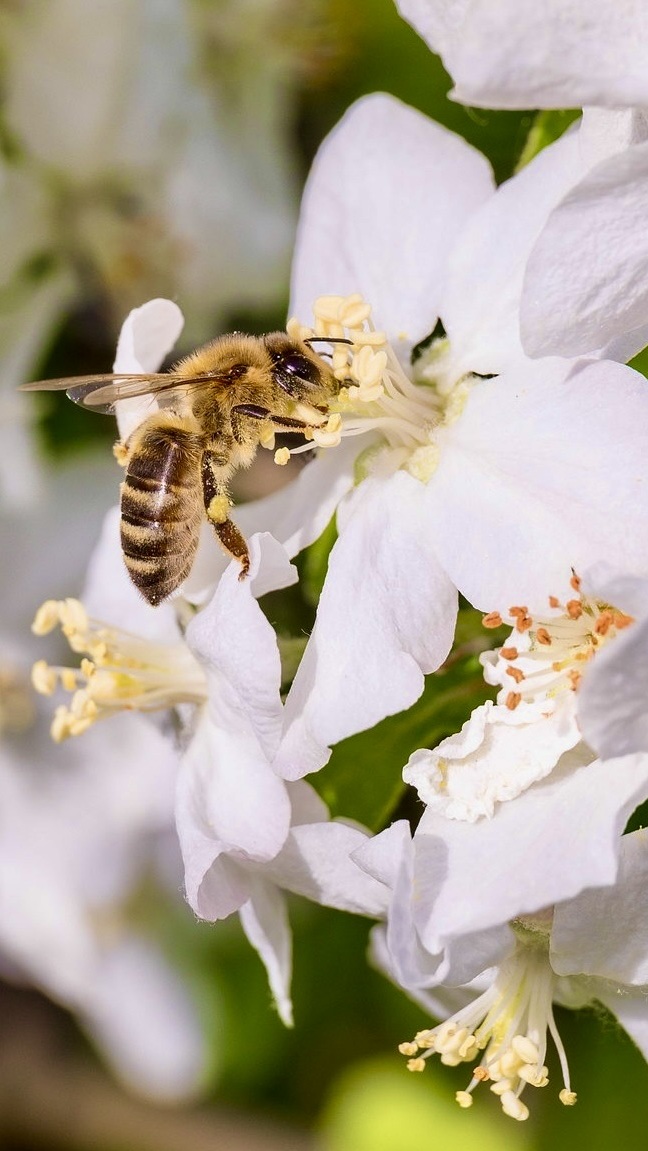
x=280, y=423
x=216, y=470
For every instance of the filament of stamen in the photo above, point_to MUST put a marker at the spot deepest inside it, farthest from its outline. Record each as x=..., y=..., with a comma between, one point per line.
x=509, y=1023
x=119, y=671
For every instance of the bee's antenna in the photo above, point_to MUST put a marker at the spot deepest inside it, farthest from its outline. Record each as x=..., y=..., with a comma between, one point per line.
x=326, y=340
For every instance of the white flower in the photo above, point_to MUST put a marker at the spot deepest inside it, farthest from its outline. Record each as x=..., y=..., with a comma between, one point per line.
x=126, y=164
x=457, y=883
x=518, y=54
x=79, y=834
x=612, y=698
x=563, y=55
x=602, y=301
x=82, y=828
x=315, y=861
x=497, y=1002
x=506, y=746
x=487, y=485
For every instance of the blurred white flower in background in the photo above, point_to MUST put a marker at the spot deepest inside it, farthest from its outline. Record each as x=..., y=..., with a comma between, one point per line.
x=144, y=147
x=85, y=829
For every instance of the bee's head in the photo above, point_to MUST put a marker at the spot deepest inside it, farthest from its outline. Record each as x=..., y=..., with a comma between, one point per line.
x=299, y=371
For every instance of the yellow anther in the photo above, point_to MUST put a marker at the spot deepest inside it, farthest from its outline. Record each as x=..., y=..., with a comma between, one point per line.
x=60, y=728
x=502, y=1085
x=416, y=1064
x=354, y=312
x=450, y=1038
x=73, y=617
x=46, y=618
x=533, y=1075
x=525, y=1048
x=425, y=1038
x=408, y=1048
x=43, y=678
x=469, y=1048
x=281, y=456
x=327, y=308
x=464, y=1099
x=267, y=438
x=329, y=435
x=481, y=1074
x=568, y=1098
x=510, y=1062
x=369, y=339
x=514, y=1107
x=68, y=678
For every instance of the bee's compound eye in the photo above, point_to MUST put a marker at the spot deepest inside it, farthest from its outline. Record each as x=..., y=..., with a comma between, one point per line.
x=295, y=364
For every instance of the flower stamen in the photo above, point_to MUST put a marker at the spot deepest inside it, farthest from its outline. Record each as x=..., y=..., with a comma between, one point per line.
x=376, y=394
x=118, y=672
x=509, y=1024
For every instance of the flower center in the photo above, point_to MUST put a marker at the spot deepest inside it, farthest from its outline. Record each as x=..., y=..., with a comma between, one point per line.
x=376, y=394
x=509, y=1024
x=545, y=657
x=119, y=671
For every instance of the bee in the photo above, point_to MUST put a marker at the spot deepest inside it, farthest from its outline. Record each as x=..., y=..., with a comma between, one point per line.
x=214, y=408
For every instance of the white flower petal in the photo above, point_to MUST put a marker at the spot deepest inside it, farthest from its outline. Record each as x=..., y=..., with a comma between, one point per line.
x=604, y=932
x=573, y=306
x=518, y=54
x=237, y=647
x=531, y=854
x=479, y=307
x=148, y=334
x=316, y=862
x=265, y=923
x=305, y=803
x=231, y=795
x=142, y=1017
x=522, y=492
x=612, y=698
x=387, y=195
x=386, y=617
x=489, y=761
x=381, y=855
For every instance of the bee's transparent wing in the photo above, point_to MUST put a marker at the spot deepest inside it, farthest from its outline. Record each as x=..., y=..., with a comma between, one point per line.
x=101, y=393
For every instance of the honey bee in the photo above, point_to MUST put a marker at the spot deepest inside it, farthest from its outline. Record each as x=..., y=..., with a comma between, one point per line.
x=215, y=407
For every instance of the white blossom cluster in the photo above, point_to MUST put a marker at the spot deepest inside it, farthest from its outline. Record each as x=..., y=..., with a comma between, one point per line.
x=490, y=441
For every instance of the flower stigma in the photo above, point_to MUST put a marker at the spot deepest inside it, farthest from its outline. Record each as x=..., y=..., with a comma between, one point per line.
x=376, y=394
x=545, y=657
x=508, y=1023
x=118, y=672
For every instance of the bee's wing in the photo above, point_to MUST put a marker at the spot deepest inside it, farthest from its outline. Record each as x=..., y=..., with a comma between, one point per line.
x=101, y=393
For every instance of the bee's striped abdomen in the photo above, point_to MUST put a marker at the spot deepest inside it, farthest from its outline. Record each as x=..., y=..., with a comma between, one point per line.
x=161, y=509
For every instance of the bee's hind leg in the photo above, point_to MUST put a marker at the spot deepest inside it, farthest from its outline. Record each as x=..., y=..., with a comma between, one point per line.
x=215, y=473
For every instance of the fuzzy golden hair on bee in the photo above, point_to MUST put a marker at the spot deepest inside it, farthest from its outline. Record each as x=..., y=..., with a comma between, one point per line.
x=215, y=407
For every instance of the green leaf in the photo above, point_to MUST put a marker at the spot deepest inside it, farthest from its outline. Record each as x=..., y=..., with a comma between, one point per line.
x=546, y=128
x=362, y=780
x=313, y=563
